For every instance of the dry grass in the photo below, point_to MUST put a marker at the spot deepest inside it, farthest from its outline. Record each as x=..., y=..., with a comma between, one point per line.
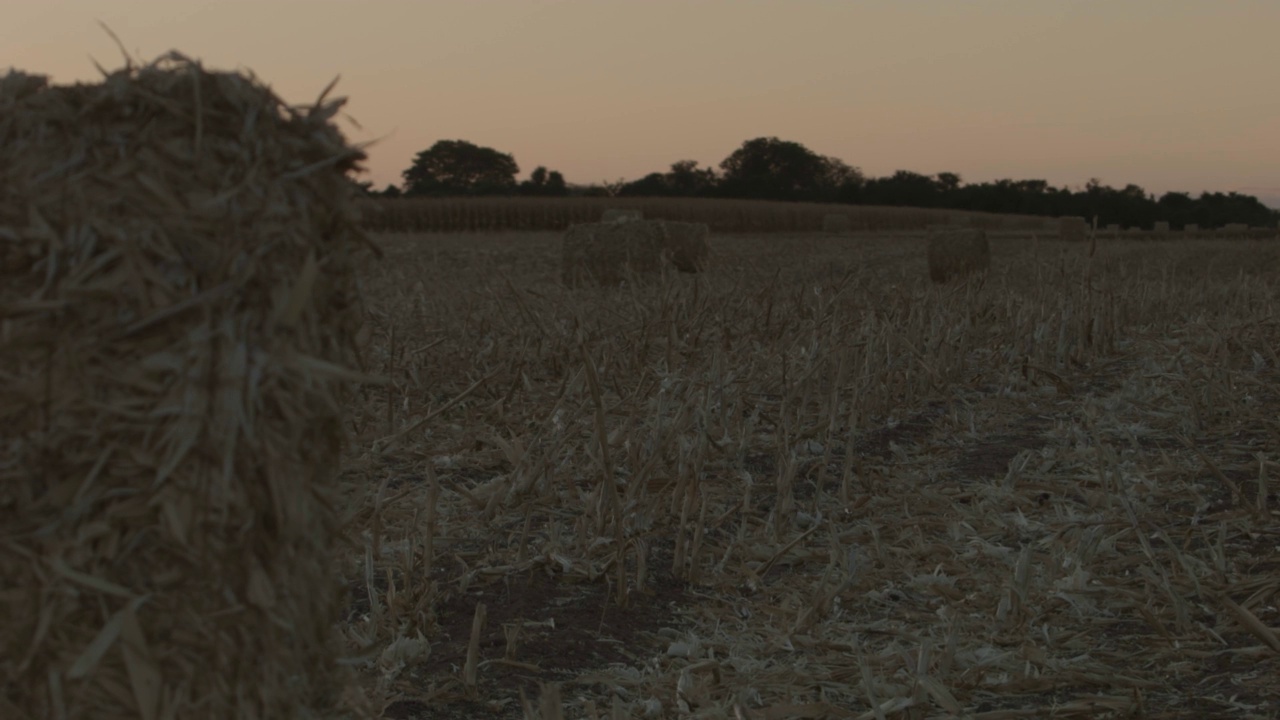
x=811, y=484
x=955, y=253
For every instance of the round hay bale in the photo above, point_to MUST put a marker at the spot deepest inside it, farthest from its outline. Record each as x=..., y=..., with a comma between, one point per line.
x=180, y=312
x=957, y=252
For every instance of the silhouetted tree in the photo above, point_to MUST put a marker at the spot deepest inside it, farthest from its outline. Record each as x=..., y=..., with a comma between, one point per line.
x=686, y=179
x=543, y=183
x=769, y=168
x=948, y=182
x=457, y=167
x=651, y=185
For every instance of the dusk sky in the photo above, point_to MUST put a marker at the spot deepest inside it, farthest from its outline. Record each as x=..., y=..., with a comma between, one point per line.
x=1167, y=94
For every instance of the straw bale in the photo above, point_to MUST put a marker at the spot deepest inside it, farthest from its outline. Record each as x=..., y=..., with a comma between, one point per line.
x=1191, y=228
x=1235, y=229
x=609, y=252
x=616, y=215
x=1161, y=228
x=1073, y=229
x=957, y=252
x=836, y=223
x=178, y=309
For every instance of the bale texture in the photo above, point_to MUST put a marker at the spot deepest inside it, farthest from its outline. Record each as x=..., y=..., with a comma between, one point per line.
x=836, y=223
x=609, y=253
x=614, y=215
x=1161, y=228
x=178, y=310
x=1073, y=229
x=957, y=252
x=1191, y=228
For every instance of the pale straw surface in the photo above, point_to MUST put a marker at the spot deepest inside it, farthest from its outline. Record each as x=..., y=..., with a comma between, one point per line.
x=177, y=311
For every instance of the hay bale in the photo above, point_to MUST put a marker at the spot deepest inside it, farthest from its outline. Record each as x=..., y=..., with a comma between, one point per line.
x=957, y=252
x=1235, y=229
x=1161, y=228
x=836, y=223
x=1073, y=229
x=179, y=307
x=687, y=245
x=616, y=215
x=1191, y=228
x=609, y=253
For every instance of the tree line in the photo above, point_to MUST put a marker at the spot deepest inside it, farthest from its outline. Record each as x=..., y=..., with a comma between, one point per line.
x=767, y=168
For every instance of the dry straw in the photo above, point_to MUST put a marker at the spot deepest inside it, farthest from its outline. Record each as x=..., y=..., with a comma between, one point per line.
x=836, y=223
x=1161, y=228
x=178, y=309
x=957, y=252
x=614, y=215
x=610, y=252
x=1073, y=229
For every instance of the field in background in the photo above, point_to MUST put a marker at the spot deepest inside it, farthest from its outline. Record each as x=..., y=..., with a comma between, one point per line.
x=809, y=483
x=537, y=214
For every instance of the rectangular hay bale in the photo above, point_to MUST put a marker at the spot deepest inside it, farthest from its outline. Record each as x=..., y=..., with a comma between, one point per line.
x=836, y=223
x=956, y=252
x=608, y=253
x=1073, y=229
x=188, y=298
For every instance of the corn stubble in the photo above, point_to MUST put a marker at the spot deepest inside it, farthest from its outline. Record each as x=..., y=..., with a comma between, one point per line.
x=871, y=495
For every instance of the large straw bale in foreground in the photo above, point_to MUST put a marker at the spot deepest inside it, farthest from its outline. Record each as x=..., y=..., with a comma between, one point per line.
x=609, y=252
x=178, y=306
x=957, y=252
x=1073, y=229
x=613, y=215
x=836, y=223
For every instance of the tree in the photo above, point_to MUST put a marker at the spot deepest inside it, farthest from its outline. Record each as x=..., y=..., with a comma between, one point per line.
x=457, y=167
x=686, y=179
x=948, y=181
x=651, y=185
x=544, y=183
x=556, y=185
x=769, y=168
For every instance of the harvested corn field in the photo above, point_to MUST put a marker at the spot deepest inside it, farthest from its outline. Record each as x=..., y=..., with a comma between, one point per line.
x=810, y=483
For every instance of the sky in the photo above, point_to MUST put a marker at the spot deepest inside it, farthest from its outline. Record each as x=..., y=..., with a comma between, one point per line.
x=1171, y=95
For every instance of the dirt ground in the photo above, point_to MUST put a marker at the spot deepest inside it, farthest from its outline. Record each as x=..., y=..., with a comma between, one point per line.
x=808, y=483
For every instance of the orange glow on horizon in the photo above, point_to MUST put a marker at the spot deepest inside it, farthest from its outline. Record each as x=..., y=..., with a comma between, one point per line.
x=1166, y=94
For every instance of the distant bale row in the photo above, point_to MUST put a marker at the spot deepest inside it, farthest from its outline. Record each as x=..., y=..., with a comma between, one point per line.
x=610, y=252
x=612, y=215
x=956, y=252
